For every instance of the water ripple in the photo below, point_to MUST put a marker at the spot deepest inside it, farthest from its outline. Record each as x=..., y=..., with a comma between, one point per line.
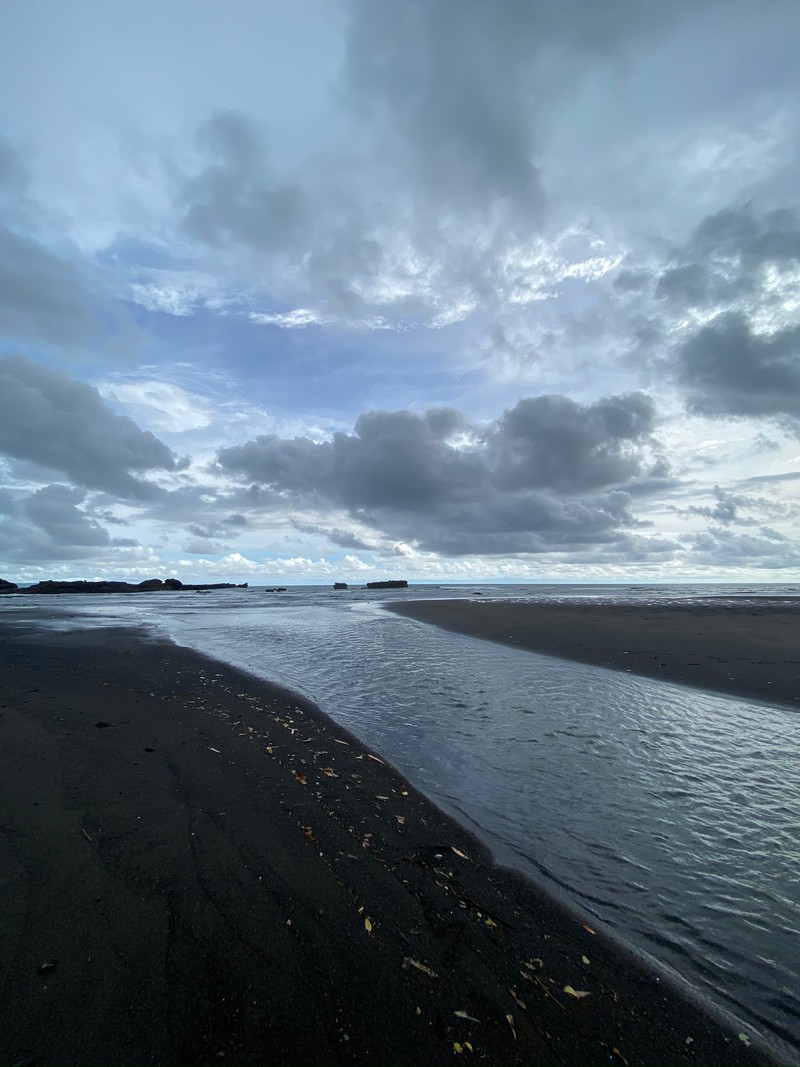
x=669, y=814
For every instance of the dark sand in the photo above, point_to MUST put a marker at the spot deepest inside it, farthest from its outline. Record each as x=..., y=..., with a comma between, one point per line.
x=750, y=649
x=190, y=861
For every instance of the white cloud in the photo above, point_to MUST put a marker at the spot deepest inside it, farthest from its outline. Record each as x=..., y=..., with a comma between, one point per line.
x=165, y=407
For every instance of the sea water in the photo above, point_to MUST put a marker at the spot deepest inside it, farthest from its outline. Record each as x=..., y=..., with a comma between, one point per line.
x=668, y=814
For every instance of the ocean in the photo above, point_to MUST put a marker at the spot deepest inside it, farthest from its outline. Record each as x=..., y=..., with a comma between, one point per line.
x=668, y=815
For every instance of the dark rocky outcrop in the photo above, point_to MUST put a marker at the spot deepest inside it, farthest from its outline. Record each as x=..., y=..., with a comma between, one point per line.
x=276, y=589
x=151, y=585
x=340, y=585
x=399, y=584
x=7, y=587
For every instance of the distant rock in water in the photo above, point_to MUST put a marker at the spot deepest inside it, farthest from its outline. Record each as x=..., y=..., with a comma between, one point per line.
x=276, y=589
x=340, y=585
x=151, y=585
x=7, y=587
x=400, y=584
x=201, y=588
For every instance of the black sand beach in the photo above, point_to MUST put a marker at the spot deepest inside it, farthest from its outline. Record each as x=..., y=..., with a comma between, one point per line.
x=198, y=868
x=750, y=649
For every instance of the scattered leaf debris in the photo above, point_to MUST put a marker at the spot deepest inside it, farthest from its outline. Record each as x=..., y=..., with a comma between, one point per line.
x=409, y=962
x=578, y=994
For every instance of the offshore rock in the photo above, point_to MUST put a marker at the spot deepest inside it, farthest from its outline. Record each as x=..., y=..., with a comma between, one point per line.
x=150, y=585
x=400, y=584
x=7, y=587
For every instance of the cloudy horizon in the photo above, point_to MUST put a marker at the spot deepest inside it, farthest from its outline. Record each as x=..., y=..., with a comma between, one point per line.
x=445, y=290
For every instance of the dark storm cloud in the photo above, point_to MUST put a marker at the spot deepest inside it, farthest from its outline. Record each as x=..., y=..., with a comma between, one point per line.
x=48, y=524
x=557, y=443
x=726, y=369
x=236, y=198
x=726, y=510
x=549, y=472
x=54, y=509
x=42, y=297
x=736, y=263
x=725, y=257
x=52, y=419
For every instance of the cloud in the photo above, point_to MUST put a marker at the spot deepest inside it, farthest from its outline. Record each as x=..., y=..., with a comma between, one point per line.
x=727, y=369
x=168, y=408
x=337, y=536
x=54, y=509
x=549, y=473
x=731, y=319
x=740, y=509
x=49, y=418
x=430, y=203
x=719, y=548
x=457, y=92
x=48, y=296
x=203, y=547
x=50, y=524
x=236, y=198
x=43, y=297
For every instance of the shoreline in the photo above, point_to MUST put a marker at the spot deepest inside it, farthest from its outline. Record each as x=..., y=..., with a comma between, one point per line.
x=749, y=650
x=209, y=863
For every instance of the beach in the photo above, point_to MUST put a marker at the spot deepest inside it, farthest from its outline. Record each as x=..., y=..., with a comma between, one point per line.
x=198, y=867
x=750, y=649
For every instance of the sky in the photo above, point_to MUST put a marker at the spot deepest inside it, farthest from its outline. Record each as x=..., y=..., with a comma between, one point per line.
x=445, y=290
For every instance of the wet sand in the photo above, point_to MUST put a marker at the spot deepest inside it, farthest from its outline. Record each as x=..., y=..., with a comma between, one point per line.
x=748, y=650
x=199, y=868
